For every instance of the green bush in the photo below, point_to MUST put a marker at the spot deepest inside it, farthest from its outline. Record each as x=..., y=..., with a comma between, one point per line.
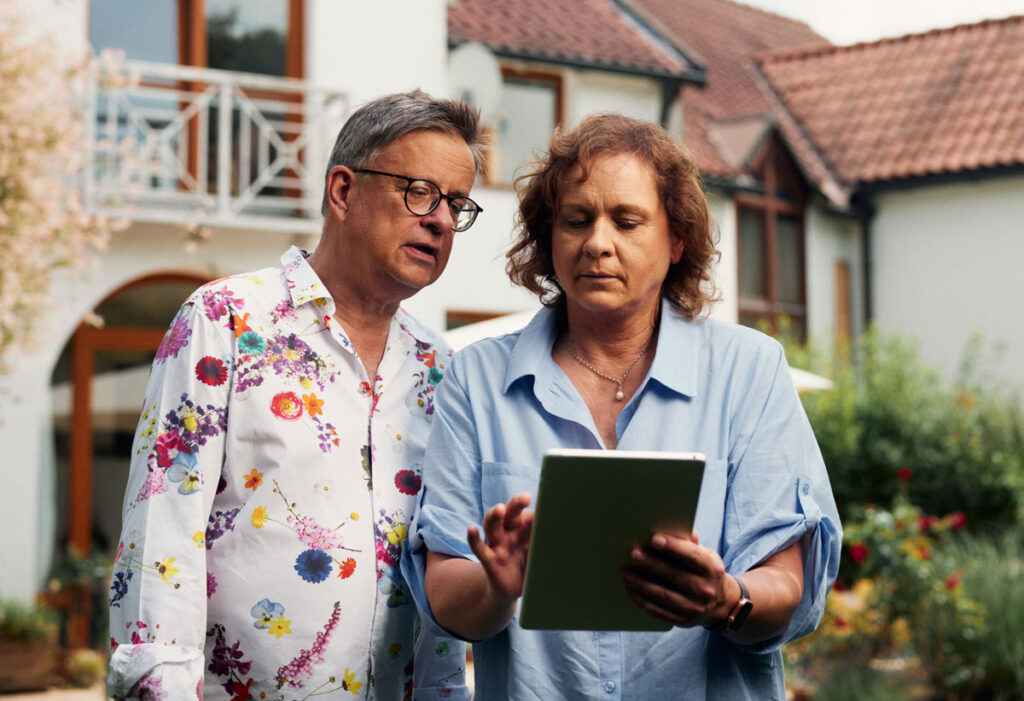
x=20, y=621
x=892, y=427
x=986, y=663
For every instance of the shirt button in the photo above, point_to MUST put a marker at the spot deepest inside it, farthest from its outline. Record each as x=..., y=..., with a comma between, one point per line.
x=806, y=489
x=609, y=687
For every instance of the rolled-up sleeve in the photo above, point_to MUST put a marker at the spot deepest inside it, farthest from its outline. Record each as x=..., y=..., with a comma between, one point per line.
x=779, y=492
x=158, y=591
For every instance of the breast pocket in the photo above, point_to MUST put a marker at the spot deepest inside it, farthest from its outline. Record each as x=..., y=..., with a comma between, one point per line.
x=499, y=481
x=711, y=505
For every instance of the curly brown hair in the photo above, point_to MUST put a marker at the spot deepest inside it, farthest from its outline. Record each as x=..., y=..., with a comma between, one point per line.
x=688, y=283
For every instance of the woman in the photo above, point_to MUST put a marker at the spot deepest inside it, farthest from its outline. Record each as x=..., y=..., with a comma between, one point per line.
x=615, y=235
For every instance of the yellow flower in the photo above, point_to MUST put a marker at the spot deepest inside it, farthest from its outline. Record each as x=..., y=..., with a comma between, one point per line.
x=259, y=516
x=397, y=534
x=354, y=516
x=282, y=626
x=349, y=683
x=291, y=354
x=190, y=421
x=199, y=538
x=306, y=383
x=167, y=569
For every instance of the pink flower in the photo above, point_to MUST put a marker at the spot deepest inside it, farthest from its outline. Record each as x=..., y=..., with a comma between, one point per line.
x=302, y=664
x=905, y=473
x=167, y=447
x=957, y=520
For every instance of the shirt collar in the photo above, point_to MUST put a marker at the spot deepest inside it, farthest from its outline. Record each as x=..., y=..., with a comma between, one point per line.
x=676, y=361
x=303, y=283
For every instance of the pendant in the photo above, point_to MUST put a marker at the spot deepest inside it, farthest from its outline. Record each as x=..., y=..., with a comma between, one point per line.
x=619, y=395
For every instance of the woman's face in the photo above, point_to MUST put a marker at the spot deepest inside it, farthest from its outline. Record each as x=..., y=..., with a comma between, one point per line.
x=611, y=245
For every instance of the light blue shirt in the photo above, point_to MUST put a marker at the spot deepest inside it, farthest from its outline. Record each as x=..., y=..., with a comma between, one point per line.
x=715, y=388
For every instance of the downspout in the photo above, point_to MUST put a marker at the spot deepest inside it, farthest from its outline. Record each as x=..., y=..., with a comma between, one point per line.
x=669, y=91
x=867, y=216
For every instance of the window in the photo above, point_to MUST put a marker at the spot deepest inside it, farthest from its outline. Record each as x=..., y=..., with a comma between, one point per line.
x=771, y=247
x=256, y=36
x=530, y=107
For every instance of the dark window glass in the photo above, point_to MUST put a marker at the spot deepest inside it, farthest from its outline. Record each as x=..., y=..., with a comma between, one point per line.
x=246, y=36
x=787, y=254
x=752, y=254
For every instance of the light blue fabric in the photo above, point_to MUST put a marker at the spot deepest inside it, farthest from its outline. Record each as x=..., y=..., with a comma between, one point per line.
x=715, y=388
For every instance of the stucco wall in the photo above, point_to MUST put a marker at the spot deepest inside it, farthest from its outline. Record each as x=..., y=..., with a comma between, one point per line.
x=832, y=239
x=947, y=264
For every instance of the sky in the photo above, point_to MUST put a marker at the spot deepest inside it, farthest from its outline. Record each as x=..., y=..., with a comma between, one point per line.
x=851, y=21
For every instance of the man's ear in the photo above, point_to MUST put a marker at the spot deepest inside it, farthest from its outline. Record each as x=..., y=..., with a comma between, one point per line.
x=339, y=187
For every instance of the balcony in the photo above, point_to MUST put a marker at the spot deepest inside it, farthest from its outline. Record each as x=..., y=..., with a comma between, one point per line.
x=177, y=144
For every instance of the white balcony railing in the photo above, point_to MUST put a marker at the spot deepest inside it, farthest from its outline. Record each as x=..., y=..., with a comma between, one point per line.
x=218, y=148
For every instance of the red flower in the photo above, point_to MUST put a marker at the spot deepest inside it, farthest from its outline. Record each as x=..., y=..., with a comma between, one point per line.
x=286, y=405
x=211, y=371
x=957, y=520
x=926, y=523
x=841, y=623
x=905, y=473
x=347, y=568
x=408, y=482
x=113, y=643
x=839, y=586
x=858, y=552
x=240, y=691
x=953, y=581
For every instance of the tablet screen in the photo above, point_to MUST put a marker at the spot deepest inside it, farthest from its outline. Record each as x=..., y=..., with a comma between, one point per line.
x=592, y=506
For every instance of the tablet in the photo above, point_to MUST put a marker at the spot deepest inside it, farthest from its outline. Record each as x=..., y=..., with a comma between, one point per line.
x=592, y=507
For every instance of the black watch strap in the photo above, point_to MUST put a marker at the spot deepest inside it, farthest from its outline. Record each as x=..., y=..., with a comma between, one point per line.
x=739, y=612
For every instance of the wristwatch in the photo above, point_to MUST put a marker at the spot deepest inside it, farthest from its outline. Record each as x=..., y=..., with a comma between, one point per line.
x=739, y=612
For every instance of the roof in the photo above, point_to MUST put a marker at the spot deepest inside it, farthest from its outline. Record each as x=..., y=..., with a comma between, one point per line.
x=942, y=102
x=591, y=33
x=724, y=36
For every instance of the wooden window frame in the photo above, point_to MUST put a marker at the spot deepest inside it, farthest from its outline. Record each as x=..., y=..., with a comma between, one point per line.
x=776, y=168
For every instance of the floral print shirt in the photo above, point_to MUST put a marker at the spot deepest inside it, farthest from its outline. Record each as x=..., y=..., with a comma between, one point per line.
x=271, y=487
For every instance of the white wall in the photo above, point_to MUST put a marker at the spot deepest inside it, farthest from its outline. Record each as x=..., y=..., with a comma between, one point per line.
x=947, y=262
x=832, y=239
x=726, y=270
x=374, y=48
x=592, y=91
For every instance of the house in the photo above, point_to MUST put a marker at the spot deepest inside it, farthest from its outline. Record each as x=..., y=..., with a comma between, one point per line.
x=847, y=182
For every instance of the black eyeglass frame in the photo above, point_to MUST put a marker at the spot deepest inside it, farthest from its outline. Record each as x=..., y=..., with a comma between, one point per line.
x=440, y=196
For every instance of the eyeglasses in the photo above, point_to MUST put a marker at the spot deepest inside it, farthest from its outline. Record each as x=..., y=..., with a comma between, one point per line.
x=423, y=196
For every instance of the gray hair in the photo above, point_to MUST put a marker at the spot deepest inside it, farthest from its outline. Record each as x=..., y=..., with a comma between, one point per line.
x=375, y=125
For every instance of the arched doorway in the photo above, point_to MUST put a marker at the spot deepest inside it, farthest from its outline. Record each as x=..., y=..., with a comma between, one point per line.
x=99, y=384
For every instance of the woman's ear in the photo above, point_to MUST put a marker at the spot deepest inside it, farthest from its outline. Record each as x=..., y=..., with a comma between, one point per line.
x=339, y=187
x=677, y=247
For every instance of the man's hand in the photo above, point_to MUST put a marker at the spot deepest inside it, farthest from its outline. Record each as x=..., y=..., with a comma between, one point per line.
x=507, y=529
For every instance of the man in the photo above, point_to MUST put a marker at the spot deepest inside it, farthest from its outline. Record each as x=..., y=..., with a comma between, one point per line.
x=277, y=461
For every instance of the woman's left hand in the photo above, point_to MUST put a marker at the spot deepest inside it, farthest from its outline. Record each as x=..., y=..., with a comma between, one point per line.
x=677, y=580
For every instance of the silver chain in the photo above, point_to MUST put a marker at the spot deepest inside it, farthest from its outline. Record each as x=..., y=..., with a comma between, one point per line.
x=619, y=395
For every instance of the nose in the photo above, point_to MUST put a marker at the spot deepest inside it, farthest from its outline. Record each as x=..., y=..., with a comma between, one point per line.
x=440, y=221
x=599, y=240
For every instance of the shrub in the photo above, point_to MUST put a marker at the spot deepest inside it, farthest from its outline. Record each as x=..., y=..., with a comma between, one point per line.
x=890, y=426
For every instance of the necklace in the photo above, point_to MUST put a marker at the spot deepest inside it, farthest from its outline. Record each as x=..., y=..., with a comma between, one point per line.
x=618, y=394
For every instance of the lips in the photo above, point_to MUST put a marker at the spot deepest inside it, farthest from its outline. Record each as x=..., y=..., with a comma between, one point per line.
x=423, y=251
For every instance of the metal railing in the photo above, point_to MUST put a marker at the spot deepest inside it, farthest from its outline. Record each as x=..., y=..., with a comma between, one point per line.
x=180, y=144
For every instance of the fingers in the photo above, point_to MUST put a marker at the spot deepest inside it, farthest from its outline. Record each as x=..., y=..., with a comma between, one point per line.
x=662, y=602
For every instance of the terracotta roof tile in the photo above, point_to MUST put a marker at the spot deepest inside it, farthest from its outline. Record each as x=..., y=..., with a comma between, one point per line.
x=723, y=36
x=591, y=32
x=945, y=101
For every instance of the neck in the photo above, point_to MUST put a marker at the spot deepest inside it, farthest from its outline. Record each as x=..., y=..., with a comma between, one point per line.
x=611, y=338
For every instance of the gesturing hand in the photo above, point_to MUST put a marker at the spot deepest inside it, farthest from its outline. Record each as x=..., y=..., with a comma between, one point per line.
x=507, y=530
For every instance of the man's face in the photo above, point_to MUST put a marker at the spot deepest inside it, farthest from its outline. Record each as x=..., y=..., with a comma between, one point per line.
x=394, y=252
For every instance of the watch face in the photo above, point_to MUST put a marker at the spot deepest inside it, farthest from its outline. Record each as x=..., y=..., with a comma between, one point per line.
x=742, y=611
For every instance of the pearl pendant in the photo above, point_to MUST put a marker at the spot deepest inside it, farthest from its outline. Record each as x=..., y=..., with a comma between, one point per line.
x=619, y=395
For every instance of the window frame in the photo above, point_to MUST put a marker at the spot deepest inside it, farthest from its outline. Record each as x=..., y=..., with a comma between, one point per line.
x=777, y=170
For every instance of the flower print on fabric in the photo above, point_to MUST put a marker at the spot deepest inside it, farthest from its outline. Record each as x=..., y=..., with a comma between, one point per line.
x=295, y=672
x=176, y=338
x=218, y=301
x=409, y=481
x=391, y=532
x=313, y=565
x=185, y=472
x=421, y=400
x=270, y=617
x=211, y=371
x=220, y=522
x=251, y=343
x=227, y=662
x=127, y=561
x=286, y=405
